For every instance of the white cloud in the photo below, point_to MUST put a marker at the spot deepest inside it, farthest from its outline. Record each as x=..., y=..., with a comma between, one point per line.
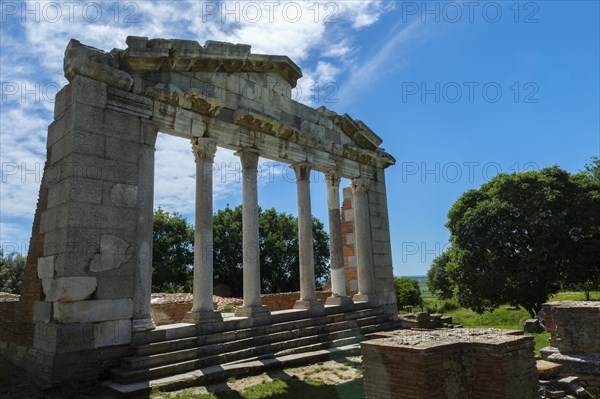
x=32, y=53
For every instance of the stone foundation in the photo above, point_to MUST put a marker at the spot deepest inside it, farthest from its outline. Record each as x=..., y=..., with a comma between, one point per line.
x=574, y=328
x=450, y=364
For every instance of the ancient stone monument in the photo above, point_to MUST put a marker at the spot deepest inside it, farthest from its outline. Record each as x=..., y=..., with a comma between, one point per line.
x=88, y=278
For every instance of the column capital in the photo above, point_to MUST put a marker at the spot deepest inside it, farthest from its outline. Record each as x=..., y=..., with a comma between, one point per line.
x=248, y=157
x=204, y=149
x=302, y=170
x=332, y=178
x=360, y=185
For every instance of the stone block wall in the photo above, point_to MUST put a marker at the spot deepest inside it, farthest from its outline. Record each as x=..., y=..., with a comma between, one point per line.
x=383, y=268
x=574, y=326
x=450, y=364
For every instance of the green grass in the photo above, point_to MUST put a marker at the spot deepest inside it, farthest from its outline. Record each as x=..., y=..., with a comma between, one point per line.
x=574, y=296
x=279, y=389
x=499, y=318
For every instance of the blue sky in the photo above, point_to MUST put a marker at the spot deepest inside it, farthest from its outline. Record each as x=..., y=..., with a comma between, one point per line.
x=458, y=91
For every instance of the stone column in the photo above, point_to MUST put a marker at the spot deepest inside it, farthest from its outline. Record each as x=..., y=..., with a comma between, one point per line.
x=362, y=235
x=142, y=316
x=251, y=255
x=336, y=257
x=204, y=150
x=308, y=298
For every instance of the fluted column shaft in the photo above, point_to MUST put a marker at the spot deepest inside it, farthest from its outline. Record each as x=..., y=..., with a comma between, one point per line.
x=251, y=254
x=204, y=150
x=308, y=298
x=362, y=238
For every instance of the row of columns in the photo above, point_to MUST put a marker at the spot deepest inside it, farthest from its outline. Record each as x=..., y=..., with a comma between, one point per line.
x=204, y=150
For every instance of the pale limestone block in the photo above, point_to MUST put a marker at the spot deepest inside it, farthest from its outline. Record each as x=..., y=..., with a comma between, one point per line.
x=42, y=311
x=63, y=338
x=45, y=267
x=353, y=285
x=69, y=289
x=351, y=261
x=114, y=251
x=110, y=333
x=348, y=215
x=350, y=239
x=124, y=195
x=93, y=311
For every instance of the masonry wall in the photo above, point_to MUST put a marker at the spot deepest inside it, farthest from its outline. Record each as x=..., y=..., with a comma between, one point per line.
x=415, y=365
x=170, y=313
x=382, y=246
x=348, y=247
x=574, y=326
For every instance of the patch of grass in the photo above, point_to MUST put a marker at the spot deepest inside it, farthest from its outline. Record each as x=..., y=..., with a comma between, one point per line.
x=498, y=318
x=574, y=296
x=541, y=341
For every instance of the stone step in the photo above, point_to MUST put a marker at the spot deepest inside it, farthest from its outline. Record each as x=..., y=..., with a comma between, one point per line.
x=196, y=352
x=241, y=327
x=146, y=370
x=226, y=336
x=211, y=374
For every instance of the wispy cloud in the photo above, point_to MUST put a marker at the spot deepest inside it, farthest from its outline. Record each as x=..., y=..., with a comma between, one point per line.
x=385, y=60
x=318, y=36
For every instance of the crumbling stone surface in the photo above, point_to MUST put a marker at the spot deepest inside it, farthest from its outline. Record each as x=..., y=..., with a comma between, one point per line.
x=573, y=325
x=450, y=364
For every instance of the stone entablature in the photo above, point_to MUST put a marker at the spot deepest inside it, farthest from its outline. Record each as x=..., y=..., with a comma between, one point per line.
x=231, y=86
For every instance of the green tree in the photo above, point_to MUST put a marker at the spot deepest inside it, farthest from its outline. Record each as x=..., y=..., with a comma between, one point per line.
x=438, y=280
x=172, y=252
x=407, y=292
x=12, y=266
x=278, y=245
x=583, y=272
x=513, y=238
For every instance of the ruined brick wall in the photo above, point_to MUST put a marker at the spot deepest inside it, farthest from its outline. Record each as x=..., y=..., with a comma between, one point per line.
x=573, y=326
x=16, y=318
x=170, y=313
x=286, y=300
x=450, y=364
x=348, y=247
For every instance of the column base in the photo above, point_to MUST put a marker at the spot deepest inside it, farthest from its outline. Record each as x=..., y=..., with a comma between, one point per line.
x=370, y=298
x=339, y=300
x=140, y=325
x=258, y=314
x=314, y=306
x=202, y=317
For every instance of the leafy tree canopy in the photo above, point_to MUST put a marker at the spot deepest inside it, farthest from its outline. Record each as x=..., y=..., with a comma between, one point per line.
x=407, y=292
x=278, y=244
x=438, y=281
x=522, y=236
x=12, y=266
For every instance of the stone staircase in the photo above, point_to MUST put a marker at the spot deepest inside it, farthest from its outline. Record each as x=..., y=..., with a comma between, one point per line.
x=175, y=357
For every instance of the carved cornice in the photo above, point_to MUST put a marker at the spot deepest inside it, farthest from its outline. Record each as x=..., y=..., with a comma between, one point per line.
x=357, y=131
x=151, y=55
x=174, y=107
